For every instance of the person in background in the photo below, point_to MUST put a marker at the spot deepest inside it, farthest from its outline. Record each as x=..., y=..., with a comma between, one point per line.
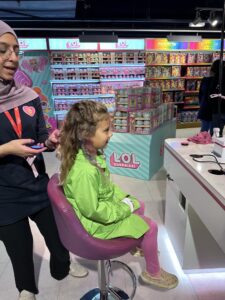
x=23, y=179
x=105, y=211
x=205, y=103
x=218, y=119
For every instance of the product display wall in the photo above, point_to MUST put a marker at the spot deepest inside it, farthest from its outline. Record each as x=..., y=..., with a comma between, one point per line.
x=97, y=71
x=93, y=74
x=178, y=68
x=179, y=75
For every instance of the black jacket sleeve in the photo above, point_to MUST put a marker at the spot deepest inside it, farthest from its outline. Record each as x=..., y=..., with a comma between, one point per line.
x=41, y=129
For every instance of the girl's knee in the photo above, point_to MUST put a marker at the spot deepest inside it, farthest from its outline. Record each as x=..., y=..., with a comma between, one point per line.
x=152, y=224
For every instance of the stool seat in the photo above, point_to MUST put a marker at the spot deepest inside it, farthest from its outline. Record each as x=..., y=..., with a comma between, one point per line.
x=73, y=235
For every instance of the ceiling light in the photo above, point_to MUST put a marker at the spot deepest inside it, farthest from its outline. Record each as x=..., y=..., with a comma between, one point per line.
x=197, y=22
x=213, y=20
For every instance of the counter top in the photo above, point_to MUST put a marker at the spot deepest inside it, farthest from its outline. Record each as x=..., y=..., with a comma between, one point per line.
x=213, y=184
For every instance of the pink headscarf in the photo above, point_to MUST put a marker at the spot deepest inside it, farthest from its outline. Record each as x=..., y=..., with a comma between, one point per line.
x=12, y=95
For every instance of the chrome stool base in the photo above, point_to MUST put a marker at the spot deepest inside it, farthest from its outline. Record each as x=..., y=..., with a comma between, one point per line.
x=113, y=294
x=106, y=290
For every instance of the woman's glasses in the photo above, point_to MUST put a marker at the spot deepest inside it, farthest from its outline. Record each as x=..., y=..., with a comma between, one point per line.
x=6, y=52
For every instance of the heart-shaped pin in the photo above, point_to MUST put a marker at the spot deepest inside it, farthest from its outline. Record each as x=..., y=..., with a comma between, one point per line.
x=29, y=110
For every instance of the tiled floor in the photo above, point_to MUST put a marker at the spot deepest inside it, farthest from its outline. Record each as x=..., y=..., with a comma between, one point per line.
x=191, y=287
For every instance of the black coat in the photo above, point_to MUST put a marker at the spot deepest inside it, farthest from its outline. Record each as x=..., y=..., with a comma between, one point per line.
x=205, y=110
x=21, y=194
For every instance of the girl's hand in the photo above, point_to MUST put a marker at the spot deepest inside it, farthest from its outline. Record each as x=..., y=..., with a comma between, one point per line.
x=20, y=148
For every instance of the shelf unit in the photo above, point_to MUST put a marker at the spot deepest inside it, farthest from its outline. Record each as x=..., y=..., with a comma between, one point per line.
x=179, y=74
x=93, y=75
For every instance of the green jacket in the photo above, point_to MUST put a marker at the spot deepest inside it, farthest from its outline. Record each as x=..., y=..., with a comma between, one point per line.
x=97, y=201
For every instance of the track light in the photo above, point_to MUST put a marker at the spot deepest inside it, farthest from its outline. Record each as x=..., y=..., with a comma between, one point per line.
x=213, y=20
x=198, y=22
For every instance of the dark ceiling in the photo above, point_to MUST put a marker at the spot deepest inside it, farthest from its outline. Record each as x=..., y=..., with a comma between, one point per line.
x=123, y=17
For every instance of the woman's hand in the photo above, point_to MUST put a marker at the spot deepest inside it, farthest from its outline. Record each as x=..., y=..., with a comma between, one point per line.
x=53, y=140
x=20, y=148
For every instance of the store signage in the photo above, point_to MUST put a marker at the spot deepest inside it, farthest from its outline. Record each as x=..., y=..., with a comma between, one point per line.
x=124, y=44
x=71, y=44
x=165, y=45
x=125, y=160
x=206, y=44
x=32, y=44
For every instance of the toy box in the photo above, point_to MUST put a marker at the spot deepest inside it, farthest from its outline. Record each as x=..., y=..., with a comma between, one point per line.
x=142, y=122
x=120, y=122
x=134, y=99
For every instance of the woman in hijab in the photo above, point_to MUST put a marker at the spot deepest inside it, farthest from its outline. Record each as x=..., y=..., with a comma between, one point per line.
x=23, y=179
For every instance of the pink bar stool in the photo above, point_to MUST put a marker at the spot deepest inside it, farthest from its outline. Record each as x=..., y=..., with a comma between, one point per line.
x=76, y=239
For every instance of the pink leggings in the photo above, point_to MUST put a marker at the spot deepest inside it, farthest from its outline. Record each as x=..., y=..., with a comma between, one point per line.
x=149, y=243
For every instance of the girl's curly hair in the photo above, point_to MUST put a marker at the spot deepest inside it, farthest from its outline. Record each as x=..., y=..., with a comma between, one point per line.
x=80, y=123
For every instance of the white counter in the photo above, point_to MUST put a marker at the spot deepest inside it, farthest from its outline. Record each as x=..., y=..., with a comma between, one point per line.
x=195, y=206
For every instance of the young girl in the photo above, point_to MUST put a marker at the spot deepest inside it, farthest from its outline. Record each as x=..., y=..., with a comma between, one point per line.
x=105, y=211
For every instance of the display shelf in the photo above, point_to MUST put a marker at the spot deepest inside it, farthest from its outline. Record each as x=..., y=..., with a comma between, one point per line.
x=191, y=92
x=159, y=78
x=96, y=96
x=190, y=107
x=121, y=79
x=192, y=77
x=178, y=64
x=75, y=81
x=172, y=90
x=122, y=65
x=179, y=74
x=66, y=66
x=96, y=75
x=181, y=125
x=196, y=64
x=62, y=105
x=60, y=112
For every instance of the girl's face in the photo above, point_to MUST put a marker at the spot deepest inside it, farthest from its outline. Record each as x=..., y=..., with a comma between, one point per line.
x=9, y=56
x=102, y=135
